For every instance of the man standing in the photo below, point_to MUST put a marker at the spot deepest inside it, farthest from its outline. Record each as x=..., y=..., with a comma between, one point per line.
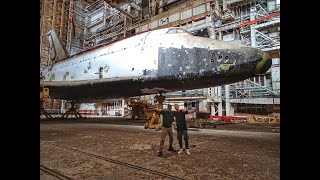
x=166, y=127
x=179, y=114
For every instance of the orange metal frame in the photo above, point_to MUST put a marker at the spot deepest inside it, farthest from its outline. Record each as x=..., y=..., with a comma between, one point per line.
x=257, y=20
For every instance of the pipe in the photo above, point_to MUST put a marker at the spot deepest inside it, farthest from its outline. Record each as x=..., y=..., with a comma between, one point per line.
x=202, y=26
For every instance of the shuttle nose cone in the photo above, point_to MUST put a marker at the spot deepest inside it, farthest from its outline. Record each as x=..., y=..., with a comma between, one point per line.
x=264, y=64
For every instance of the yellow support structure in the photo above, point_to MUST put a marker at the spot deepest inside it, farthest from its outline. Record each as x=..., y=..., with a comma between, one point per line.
x=155, y=122
x=254, y=119
x=44, y=93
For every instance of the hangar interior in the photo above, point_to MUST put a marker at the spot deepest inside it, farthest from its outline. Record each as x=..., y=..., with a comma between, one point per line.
x=85, y=24
x=234, y=132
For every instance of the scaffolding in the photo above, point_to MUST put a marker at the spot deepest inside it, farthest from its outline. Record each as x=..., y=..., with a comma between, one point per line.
x=54, y=14
x=256, y=23
x=104, y=23
x=76, y=27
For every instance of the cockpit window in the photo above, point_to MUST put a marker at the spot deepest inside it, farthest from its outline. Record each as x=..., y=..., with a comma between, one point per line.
x=176, y=30
x=171, y=31
x=181, y=31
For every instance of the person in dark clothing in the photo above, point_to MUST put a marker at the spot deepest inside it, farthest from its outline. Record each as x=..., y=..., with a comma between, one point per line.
x=179, y=114
x=167, y=119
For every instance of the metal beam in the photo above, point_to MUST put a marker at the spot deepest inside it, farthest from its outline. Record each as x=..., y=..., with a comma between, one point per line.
x=252, y=27
x=44, y=3
x=122, y=108
x=258, y=20
x=62, y=18
x=125, y=13
x=273, y=92
x=220, y=101
x=54, y=13
x=227, y=98
x=256, y=100
x=115, y=4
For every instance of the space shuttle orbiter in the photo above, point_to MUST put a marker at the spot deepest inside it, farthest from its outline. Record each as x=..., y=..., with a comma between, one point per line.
x=163, y=60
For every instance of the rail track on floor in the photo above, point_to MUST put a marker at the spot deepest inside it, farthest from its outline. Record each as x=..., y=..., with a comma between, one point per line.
x=54, y=173
x=140, y=168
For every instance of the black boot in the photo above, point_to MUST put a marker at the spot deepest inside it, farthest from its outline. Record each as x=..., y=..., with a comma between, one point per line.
x=160, y=154
x=171, y=149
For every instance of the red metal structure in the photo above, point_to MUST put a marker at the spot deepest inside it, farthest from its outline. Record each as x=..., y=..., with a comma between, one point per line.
x=258, y=20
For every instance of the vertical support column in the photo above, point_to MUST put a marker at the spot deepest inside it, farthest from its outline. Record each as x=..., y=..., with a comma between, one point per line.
x=219, y=101
x=107, y=108
x=42, y=35
x=122, y=108
x=215, y=90
x=220, y=89
x=227, y=96
x=124, y=25
x=275, y=74
x=54, y=13
x=54, y=104
x=213, y=109
x=62, y=18
x=259, y=80
x=85, y=31
x=236, y=94
x=213, y=93
x=62, y=107
x=86, y=20
x=211, y=32
x=264, y=80
x=104, y=13
x=127, y=21
x=252, y=27
x=104, y=109
x=69, y=35
x=160, y=6
x=150, y=8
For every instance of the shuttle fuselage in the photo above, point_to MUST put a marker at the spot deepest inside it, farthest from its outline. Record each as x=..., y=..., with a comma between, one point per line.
x=162, y=60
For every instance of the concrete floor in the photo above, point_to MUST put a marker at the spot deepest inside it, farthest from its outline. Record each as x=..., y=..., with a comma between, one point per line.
x=120, y=148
